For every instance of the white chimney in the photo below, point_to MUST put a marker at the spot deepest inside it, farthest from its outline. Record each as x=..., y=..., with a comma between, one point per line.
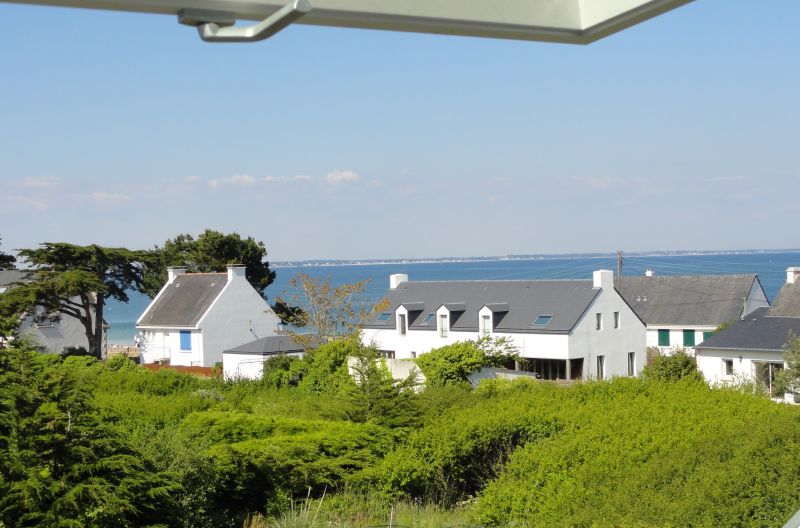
x=174, y=272
x=604, y=279
x=649, y=272
x=792, y=274
x=397, y=279
x=236, y=270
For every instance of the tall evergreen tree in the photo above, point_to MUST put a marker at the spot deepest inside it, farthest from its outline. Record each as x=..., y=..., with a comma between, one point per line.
x=6, y=261
x=78, y=280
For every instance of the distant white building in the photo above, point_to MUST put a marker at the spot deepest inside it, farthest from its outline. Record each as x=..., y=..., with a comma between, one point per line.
x=752, y=346
x=49, y=331
x=196, y=316
x=681, y=311
x=247, y=361
x=563, y=329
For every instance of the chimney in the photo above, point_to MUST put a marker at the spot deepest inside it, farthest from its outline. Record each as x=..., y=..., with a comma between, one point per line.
x=397, y=279
x=236, y=270
x=174, y=272
x=604, y=279
x=792, y=275
x=649, y=272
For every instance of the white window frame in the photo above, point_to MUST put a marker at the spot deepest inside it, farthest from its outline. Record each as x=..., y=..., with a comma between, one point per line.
x=601, y=367
x=444, y=325
x=725, y=367
x=631, y=363
x=486, y=325
x=402, y=324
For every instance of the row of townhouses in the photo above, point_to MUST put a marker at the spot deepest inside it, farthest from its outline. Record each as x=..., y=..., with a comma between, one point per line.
x=562, y=329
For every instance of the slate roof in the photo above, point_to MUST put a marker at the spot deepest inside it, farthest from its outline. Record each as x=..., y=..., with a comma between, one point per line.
x=787, y=303
x=9, y=277
x=702, y=300
x=565, y=300
x=268, y=346
x=184, y=301
x=757, y=331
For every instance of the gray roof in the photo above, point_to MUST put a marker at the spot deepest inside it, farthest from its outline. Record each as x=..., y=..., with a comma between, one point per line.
x=269, y=346
x=757, y=331
x=185, y=301
x=565, y=300
x=787, y=303
x=9, y=277
x=707, y=300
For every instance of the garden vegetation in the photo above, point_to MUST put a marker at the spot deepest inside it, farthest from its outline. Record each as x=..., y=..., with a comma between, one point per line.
x=110, y=444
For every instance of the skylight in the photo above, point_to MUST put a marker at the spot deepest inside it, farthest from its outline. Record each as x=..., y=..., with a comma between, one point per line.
x=542, y=320
x=385, y=316
x=428, y=318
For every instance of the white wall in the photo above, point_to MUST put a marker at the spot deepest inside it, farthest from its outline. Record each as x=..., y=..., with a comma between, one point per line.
x=710, y=363
x=612, y=343
x=246, y=366
x=162, y=344
x=239, y=315
x=676, y=337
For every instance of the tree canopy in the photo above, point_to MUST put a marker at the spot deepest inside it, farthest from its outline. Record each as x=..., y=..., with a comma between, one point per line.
x=6, y=261
x=77, y=280
x=211, y=251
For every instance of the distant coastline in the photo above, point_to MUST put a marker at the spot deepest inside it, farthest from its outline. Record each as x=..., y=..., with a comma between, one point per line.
x=315, y=263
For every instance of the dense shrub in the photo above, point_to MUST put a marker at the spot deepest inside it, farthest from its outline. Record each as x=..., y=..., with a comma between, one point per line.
x=673, y=367
x=452, y=364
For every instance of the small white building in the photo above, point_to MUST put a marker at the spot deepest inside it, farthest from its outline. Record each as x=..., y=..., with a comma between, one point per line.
x=247, y=361
x=196, y=316
x=751, y=348
x=681, y=311
x=563, y=329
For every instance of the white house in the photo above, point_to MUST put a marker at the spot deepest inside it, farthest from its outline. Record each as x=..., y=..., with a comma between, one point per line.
x=683, y=310
x=247, y=361
x=752, y=347
x=196, y=316
x=50, y=332
x=563, y=329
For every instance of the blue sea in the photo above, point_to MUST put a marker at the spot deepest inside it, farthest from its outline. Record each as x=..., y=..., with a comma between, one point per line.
x=770, y=267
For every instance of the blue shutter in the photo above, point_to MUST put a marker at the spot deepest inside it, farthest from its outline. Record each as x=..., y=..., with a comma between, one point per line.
x=186, y=340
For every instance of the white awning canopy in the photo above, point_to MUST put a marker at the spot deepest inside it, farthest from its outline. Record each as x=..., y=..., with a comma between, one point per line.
x=569, y=21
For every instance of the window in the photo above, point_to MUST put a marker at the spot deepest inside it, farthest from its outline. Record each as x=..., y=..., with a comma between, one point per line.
x=3, y=289
x=186, y=340
x=601, y=367
x=542, y=320
x=631, y=363
x=706, y=335
x=443, y=325
x=386, y=354
x=727, y=365
x=428, y=319
x=599, y=317
x=401, y=324
x=384, y=316
x=413, y=355
x=688, y=338
x=616, y=319
x=486, y=325
x=663, y=338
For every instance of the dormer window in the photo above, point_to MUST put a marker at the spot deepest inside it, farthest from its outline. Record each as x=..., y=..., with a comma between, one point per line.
x=486, y=325
x=444, y=325
x=542, y=320
x=401, y=324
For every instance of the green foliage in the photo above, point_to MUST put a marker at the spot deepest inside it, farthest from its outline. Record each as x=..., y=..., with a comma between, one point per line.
x=6, y=261
x=788, y=379
x=60, y=463
x=452, y=364
x=212, y=251
x=673, y=367
x=637, y=453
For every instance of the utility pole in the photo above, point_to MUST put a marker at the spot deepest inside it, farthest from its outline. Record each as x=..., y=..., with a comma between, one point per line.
x=619, y=269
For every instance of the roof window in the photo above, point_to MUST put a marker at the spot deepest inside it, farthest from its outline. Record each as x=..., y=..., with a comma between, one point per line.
x=542, y=320
x=428, y=318
x=385, y=316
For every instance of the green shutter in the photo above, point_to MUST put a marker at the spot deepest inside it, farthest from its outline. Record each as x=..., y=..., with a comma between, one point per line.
x=663, y=338
x=706, y=335
x=688, y=338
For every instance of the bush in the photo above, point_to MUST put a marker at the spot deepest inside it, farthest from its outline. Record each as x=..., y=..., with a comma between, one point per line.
x=673, y=367
x=452, y=364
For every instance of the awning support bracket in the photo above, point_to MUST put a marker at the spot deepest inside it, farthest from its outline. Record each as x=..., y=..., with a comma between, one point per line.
x=218, y=26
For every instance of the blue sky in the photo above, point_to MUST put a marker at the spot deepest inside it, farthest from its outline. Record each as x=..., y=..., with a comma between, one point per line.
x=679, y=133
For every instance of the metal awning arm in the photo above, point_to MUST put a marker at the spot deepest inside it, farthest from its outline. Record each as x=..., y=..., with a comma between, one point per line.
x=215, y=26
